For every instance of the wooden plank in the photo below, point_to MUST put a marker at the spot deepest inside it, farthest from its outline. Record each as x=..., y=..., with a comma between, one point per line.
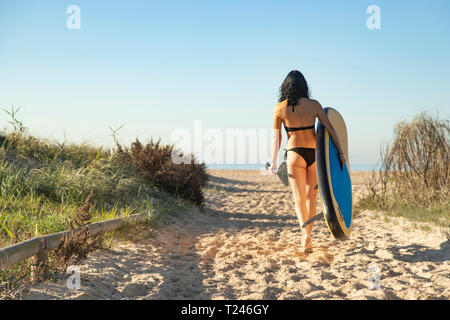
x=20, y=251
x=52, y=241
x=29, y=248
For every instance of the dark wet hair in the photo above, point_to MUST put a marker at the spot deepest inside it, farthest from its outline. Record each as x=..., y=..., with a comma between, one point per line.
x=293, y=88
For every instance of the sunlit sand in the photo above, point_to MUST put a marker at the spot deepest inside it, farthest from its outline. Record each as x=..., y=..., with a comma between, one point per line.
x=246, y=244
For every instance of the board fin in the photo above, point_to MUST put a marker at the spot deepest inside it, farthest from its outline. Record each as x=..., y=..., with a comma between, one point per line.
x=315, y=218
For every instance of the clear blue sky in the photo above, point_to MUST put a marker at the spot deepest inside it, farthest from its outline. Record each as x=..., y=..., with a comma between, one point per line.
x=159, y=65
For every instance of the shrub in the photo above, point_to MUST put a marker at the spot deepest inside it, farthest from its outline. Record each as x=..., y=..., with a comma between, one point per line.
x=76, y=246
x=414, y=169
x=155, y=163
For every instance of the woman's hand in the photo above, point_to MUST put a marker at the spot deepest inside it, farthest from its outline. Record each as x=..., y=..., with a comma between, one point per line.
x=342, y=159
x=273, y=169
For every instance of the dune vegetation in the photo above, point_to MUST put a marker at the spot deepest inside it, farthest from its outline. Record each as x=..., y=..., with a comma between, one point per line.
x=413, y=180
x=45, y=184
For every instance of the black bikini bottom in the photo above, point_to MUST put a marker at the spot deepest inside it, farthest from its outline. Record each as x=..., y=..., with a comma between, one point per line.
x=308, y=154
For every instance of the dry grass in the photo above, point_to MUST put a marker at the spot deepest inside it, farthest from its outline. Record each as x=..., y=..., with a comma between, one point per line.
x=414, y=175
x=80, y=242
x=155, y=163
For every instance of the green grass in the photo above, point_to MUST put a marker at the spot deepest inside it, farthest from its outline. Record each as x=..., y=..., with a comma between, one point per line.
x=38, y=199
x=43, y=184
x=435, y=213
x=439, y=216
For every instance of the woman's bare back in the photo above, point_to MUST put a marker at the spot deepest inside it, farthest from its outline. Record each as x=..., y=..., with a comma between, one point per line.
x=304, y=115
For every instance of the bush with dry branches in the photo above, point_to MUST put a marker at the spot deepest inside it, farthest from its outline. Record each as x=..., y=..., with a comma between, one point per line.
x=76, y=246
x=415, y=167
x=154, y=161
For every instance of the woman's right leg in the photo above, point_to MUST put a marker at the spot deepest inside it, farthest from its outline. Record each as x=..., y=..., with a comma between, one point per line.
x=311, y=191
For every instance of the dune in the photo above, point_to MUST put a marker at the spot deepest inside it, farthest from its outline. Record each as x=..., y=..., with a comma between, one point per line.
x=246, y=244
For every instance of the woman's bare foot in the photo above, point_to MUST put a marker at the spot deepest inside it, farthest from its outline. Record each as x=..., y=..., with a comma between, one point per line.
x=307, y=244
x=308, y=250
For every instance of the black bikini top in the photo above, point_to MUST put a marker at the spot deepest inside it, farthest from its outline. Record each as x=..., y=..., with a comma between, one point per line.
x=291, y=129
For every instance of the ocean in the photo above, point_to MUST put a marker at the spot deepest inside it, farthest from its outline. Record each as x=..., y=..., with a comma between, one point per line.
x=353, y=167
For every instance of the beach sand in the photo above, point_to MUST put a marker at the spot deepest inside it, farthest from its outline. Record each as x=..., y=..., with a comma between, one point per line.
x=246, y=244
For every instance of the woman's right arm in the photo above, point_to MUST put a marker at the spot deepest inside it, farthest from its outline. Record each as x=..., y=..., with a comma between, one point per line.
x=327, y=124
x=276, y=138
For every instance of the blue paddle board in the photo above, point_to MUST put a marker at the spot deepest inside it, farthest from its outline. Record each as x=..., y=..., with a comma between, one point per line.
x=334, y=182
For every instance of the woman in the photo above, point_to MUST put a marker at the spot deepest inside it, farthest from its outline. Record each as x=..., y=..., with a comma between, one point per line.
x=298, y=114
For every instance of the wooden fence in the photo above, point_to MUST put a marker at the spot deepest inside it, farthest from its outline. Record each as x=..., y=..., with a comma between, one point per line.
x=38, y=248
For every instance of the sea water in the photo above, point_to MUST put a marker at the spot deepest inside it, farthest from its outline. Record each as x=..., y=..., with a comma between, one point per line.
x=237, y=166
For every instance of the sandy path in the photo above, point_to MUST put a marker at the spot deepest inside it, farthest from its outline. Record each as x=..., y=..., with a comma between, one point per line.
x=247, y=245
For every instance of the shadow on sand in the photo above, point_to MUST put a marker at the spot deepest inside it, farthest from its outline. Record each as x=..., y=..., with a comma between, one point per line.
x=419, y=253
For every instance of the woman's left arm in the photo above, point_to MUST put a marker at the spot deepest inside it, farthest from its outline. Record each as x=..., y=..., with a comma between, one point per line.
x=276, y=138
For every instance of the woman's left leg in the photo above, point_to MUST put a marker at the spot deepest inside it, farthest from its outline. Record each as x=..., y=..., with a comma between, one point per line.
x=297, y=172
